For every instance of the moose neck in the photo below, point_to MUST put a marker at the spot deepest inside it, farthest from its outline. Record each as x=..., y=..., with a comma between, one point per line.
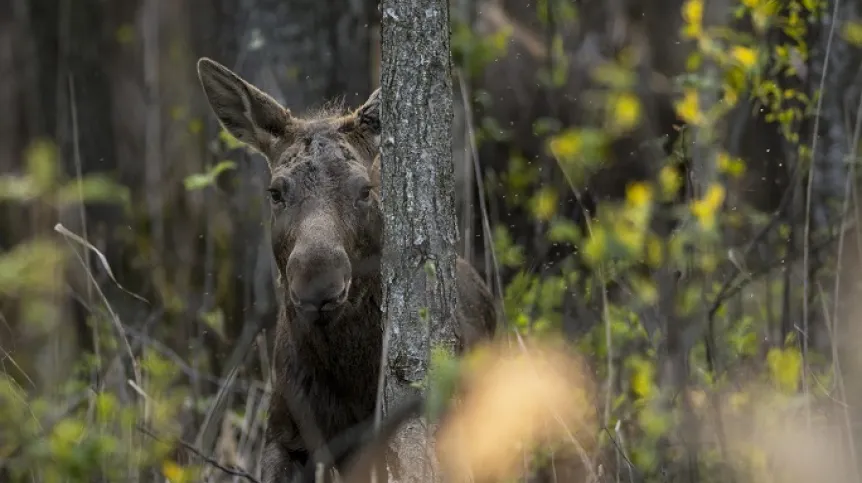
x=351, y=341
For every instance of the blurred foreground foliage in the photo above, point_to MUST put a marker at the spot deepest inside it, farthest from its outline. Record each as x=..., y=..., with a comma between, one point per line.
x=87, y=428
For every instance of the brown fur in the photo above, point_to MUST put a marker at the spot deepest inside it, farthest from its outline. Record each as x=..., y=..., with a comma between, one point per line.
x=327, y=229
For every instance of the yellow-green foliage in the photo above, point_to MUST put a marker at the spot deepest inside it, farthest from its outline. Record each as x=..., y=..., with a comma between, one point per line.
x=74, y=432
x=43, y=183
x=620, y=245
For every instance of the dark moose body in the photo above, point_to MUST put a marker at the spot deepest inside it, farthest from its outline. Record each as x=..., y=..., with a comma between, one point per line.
x=327, y=228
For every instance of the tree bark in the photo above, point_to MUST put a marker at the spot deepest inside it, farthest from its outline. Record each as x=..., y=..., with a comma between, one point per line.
x=418, y=266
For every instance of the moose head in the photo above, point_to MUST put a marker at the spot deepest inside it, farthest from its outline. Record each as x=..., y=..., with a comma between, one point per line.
x=326, y=221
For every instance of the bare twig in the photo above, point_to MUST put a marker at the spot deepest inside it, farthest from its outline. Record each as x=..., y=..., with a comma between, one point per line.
x=733, y=289
x=188, y=446
x=486, y=227
x=59, y=228
x=118, y=326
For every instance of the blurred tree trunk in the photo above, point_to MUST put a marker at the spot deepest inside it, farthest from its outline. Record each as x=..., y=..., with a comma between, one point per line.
x=418, y=268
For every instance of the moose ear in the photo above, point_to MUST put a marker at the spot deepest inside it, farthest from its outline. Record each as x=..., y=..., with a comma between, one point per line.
x=368, y=117
x=246, y=112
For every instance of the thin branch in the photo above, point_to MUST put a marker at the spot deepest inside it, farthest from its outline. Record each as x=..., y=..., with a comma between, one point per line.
x=118, y=326
x=732, y=290
x=212, y=462
x=474, y=149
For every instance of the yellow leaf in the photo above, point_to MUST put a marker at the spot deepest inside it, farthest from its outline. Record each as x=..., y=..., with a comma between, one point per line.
x=174, y=472
x=732, y=166
x=645, y=289
x=670, y=181
x=745, y=56
x=692, y=13
x=852, y=33
x=626, y=109
x=642, y=378
x=567, y=145
x=654, y=253
x=731, y=97
x=595, y=247
x=785, y=367
x=705, y=208
x=638, y=194
x=545, y=204
x=715, y=196
x=688, y=108
x=693, y=62
x=629, y=235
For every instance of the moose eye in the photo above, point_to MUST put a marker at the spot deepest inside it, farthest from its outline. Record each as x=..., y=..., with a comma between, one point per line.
x=365, y=194
x=275, y=195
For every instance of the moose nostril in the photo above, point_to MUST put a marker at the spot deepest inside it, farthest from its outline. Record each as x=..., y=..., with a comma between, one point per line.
x=320, y=300
x=333, y=302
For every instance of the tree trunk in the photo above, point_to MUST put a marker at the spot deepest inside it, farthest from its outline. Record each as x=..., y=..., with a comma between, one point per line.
x=418, y=185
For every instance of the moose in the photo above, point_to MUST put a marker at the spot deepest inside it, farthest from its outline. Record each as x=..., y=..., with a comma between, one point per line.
x=326, y=236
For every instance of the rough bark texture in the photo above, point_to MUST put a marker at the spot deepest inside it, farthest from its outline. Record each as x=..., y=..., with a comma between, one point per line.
x=418, y=205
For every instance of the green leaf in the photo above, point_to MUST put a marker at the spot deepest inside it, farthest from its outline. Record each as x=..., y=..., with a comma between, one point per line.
x=215, y=321
x=42, y=167
x=508, y=253
x=430, y=268
x=565, y=231
x=17, y=188
x=31, y=266
x=202, y=180
x=91, y=188
x=443, y=375
x=197, y=181
x=228, y=139
x=222, y=166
